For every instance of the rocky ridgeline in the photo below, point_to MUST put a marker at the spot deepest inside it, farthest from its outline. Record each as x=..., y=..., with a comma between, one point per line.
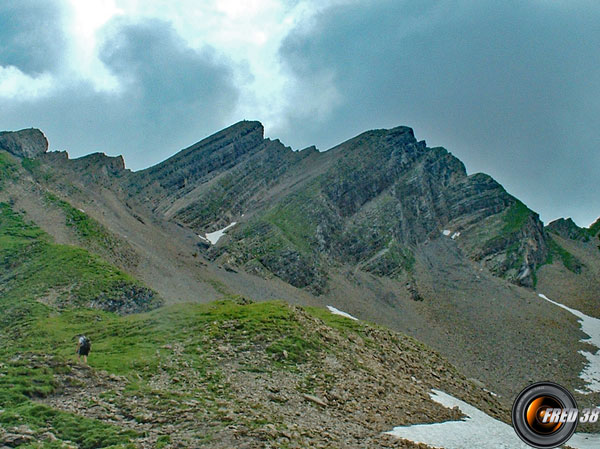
x=567, y=229
x=208, y=184
x=373, y=200
x=29, y=143
x=368, y=202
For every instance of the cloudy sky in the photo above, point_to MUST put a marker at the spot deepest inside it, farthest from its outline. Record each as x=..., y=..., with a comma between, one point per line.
x=510, y=87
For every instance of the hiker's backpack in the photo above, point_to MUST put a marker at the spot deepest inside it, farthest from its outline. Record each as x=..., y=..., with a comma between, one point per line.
x=87, y=344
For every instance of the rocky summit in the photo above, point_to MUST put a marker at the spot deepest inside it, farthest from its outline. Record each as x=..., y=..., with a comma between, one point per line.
x=202, y=282
x=29, y=143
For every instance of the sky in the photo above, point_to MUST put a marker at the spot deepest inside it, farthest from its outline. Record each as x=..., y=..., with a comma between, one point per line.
x=511, y=88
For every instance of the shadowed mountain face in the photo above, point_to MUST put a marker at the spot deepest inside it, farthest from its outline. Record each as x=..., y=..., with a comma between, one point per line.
x=381, y=226
x=366, y=202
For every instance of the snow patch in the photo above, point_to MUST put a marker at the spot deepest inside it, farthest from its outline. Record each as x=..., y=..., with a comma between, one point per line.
x=478, y=430
x=456, y=234
x=213, y=237
x=591, y=327
x=446, y=232
x=584, y=441
x=203, y=238
x=340, y=313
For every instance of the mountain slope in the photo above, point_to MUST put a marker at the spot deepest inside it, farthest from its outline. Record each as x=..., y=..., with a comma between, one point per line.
x=572, y=269
x=381, y=226
x=230, y=373
x=305, y=209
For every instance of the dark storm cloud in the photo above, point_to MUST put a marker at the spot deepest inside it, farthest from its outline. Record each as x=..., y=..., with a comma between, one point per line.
x=31, y=38
x=509, y=87
x=171, y=96
x=164, y=74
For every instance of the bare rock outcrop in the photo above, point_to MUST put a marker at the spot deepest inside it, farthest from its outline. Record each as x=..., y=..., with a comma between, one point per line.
x=29, y=143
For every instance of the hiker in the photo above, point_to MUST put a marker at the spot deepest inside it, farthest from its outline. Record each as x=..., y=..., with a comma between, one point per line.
x=83, y=348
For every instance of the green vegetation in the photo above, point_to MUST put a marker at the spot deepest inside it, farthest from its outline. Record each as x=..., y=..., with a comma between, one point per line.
x=139, y=347
x=33, y=267
x=515, y=217
x=31, y=165
x=342, y=324
x=90, y=231
x=163, y=441
x=87, y=433
x=7, y=167
x=392, y=262
x=505, y=238
x=263, y=248
x=297, y=218
x=570, y=262
x=594, y=229
x=39, y=339
x=85, y=226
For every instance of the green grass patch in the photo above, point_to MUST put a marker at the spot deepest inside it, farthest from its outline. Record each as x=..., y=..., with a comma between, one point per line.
x=292, y=349
x=297, y=218
x=342, y=324
x=137, y=347
x=570, y=262
x=393, y=262
x=33, y=267
x=31, y=165
x=27, y=376
x=163, y=441
x=86, y=433
x=179, y=341
x=8, y=167
x=85, y=226
x=515, y=217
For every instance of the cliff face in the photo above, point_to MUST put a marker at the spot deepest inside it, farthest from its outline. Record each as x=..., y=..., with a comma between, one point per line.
x=367, y=202
x=29, y=143
x=206, y=184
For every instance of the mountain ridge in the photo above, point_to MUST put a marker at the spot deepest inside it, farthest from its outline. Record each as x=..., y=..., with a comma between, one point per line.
x=381, y=226
x=197, y=187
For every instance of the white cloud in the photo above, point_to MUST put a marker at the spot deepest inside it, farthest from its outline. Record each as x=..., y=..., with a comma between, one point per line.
x=247, y=33
x=83, y=23
x=15, y=84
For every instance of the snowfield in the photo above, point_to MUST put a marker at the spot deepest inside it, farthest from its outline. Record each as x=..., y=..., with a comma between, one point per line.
x=339, y=312
x=213, y=237
x=591, y=327
x=478, y=430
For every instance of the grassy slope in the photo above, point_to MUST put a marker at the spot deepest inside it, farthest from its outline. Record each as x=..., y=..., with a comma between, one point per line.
x=35, y=271
x=165, y=359
x=33, y=267
x=184, y=344
x=90, y=232
x=38, y=342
